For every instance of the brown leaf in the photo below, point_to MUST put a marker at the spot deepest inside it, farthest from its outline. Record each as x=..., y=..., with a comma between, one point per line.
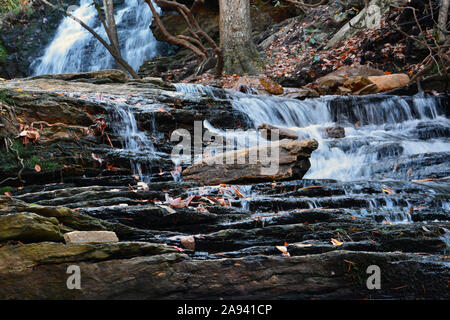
x=336, y=242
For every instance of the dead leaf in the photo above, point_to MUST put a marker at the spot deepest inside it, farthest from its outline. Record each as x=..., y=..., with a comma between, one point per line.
x=336, y=242
x=388, y=190
x=37, y=168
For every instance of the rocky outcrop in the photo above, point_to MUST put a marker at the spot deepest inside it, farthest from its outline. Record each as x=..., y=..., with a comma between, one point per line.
x=290, y=161
x=98, y=77
x=297, y=239
x=161, y=274
x=29, y=227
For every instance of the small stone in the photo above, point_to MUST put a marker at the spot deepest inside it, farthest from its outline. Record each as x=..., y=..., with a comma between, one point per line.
x=283, y=133
x=90, y=237
x=188, y=242
x=334, y=132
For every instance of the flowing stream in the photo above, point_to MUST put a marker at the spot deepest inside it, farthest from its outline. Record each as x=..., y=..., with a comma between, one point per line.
x=375, y=128
x=389, y=141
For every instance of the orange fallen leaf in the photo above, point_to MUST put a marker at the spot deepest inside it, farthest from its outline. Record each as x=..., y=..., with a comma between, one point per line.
x=388, y=190
x=424, y=180
x=336, y=242
x=37, y=168
x=312, y=187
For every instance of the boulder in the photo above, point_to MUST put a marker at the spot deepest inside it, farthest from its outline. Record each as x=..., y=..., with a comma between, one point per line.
x=292, y=162
x=390, y=81
x=283, y=133
x=90, y=237
x=271, y=86
x=334, y=132
x=357, y=83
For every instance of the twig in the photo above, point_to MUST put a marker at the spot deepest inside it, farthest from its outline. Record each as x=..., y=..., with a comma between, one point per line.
x=19, y=174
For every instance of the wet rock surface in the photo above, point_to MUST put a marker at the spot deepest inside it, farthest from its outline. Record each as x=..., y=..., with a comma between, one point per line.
x=184, y=240
x=284, y=160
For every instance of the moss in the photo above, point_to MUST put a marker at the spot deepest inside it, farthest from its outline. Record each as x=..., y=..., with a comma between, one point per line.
x=3, y=54
x=4, y=97
x=5, y=189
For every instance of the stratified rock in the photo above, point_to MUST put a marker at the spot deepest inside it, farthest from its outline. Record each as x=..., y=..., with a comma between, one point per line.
x=101, y=76
x=90, y=237
x=28, y=227
x=25, y=222
x=283, y=133
x=271, y=86
x=334, y=132
x=162, y=274
x=292, y=162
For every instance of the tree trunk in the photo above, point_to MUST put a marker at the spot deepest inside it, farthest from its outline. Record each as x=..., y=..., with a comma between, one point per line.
x=442, y=20
x=110, y=20
x=239, y=51
x=111, y=29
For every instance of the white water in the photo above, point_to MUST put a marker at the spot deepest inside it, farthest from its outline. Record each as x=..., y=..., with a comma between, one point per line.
x=74, y=49
x=382, y=123
x=135, y=144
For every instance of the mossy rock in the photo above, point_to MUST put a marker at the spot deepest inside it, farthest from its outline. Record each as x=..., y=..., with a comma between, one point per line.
x=29, y=227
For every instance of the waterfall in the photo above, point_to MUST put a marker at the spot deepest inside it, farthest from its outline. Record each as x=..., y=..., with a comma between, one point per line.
x=377, y=127
x=136, y=145
x=74, y=49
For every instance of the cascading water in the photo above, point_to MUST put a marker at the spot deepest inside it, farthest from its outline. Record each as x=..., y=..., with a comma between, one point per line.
x=375, y=127
x=136, y=146
x=74, y=49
